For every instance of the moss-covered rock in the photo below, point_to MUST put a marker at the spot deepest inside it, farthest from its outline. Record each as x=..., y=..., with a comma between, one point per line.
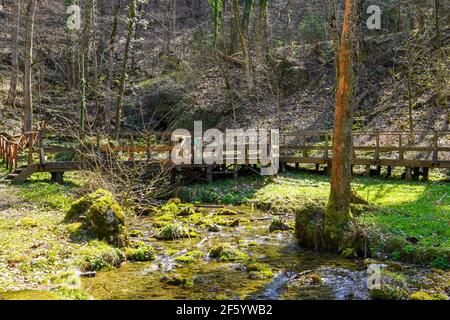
x=140, y=251
x=226, y=212
x=177, y=280
x=170, y=208
x=186, y=210
x=420, y=295
x=278, y=224
x=103, y=215
x=107, y=219
x=392, y=286
x=190, y=257
x=226, y=253
x=98, y=255
x=78, y=209
x=172, y=231
x=259, y=271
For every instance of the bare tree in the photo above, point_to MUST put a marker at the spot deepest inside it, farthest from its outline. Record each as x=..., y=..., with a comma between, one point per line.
x=14, y=56
x=123, y=74
x=28, y=63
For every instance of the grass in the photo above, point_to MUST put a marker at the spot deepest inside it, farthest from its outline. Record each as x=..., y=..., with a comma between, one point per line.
x=409, y=210
x=38, y=249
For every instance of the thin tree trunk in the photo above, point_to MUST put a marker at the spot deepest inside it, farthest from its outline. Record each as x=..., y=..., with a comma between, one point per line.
x=123, y=75
x=338, y=211
x=244, y=45
x=111, y=53
x=14, y=56
x=28, y=62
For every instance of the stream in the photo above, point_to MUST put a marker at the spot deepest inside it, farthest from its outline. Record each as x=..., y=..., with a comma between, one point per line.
x=341, y=278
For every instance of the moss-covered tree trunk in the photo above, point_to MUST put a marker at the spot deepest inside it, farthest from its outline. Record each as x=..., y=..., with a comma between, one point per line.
x=338, y=210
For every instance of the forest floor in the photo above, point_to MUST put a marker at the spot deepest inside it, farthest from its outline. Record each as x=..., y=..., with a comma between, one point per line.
x=40, y=252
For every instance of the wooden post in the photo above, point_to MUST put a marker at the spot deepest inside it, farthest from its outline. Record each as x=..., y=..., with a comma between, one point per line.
x=209, y=176
x=367, y=172
x=408, y=173
x=325, y=154
x=400, y=147
x=57, y=177
x=30, y=149
x=435, y=147
x=389, y=171
x=425, y=174
x=377, y=146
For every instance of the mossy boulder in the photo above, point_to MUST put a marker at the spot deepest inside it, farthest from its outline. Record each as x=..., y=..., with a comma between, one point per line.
x=140, y=251
x=226, y=212
x=259, y=271
x=186, y=210
x=103, y=215
x=107, y=219
x=79, y=208
x=170, y=208
x=226, y=253
x=177, y=280
x=190, y=257
x=392, y=286
x=172, y=231
x=278, y=224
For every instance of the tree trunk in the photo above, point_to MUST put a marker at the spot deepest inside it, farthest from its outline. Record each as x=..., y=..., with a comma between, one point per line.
x=123, y=75
x=111, y=53
x=244, y=45
x=28, y=62
x=338, y=211
x=14, y=56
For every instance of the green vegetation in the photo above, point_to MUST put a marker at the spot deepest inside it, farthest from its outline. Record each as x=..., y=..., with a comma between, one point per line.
x=226, y=253
x=413, y=216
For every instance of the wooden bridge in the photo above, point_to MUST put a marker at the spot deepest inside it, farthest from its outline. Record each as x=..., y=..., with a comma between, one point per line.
x=41, y=151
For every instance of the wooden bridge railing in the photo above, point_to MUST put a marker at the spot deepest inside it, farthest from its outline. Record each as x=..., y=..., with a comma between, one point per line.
x=396, y=146
x=11, y=147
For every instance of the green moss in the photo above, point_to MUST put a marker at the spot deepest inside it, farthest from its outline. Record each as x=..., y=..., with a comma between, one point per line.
x=420, y=295
x=259, y=271
x=177, y=280
x=172, y=231
x=98, y=255
x=225, y=212
x=135, y=233
x=190, y=257
x=28, y=222
x=278, y=224
x=106, y=219
x=140, y=252
x=78, y=208
x=226, y=253
x=392, y=287
x=170, y=208
x=186, y=210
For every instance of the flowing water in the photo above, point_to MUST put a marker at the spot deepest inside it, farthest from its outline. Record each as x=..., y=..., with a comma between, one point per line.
x=341, y=278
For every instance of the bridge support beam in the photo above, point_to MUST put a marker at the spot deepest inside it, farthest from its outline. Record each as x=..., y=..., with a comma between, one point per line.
x=425, y=174
x=389, y=172
x=57, y=177
x=408, y=173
